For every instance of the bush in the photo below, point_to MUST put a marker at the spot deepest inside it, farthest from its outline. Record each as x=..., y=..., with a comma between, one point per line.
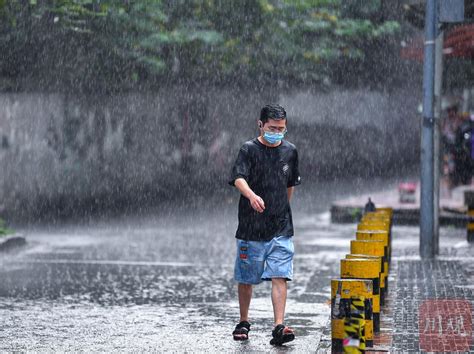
x=3, y=229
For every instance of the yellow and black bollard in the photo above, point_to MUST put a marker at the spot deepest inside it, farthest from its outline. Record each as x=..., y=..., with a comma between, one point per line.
x=372, y=248
x=470, y=225
x=383, y=280
x=384, y=215
x=469, y=202
x=374, y=215
x=374, y=225
x=388, y=211
x=367, y=269
x=342, y=291
x=376, y=235
x=377, y=227
x=377, y=216
x=354, y=327
x=385, y=223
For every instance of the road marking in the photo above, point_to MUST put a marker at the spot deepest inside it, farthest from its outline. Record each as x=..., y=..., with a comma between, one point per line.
x=112, y=262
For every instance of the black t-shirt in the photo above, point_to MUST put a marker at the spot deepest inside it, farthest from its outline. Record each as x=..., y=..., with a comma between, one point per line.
x=269, y=171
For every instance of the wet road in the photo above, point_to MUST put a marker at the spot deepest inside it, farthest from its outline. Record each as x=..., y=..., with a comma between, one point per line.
x=162, y=282
x=148, y=288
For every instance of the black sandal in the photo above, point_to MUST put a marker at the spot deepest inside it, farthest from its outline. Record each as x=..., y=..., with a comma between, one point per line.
x=282, y=334
x=241, y=331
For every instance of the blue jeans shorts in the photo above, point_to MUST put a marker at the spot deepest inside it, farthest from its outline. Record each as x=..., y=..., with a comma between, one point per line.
x=259, y=260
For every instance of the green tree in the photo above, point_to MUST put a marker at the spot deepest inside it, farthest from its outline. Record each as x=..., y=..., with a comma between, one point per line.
x=92, y=45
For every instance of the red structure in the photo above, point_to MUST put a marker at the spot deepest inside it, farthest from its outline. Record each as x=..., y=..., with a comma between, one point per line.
x=458, y=42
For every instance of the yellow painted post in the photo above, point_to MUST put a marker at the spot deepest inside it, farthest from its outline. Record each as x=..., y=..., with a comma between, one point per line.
x=380, y=211
x=470, y=225
x=342, y=290
x=374, y=225
x=374, y=215
x=368, y=269
x=371, y=248
x=378, y=216
x=376, y=235
x=386, y=223
x=383, y=280
x=377, y=227
x=354, y=327
x=388, y=211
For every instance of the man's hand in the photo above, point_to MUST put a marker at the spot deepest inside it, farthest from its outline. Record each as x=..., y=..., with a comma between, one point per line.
x=257, y=203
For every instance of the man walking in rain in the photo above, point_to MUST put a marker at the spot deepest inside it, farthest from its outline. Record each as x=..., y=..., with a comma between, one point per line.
x=265, y=173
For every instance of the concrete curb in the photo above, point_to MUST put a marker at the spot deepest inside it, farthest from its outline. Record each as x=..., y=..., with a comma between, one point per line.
x=341, y=214
x=10, y=242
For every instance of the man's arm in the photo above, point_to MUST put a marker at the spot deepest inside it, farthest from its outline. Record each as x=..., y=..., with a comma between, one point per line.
x=255, y=201
x=290, y=191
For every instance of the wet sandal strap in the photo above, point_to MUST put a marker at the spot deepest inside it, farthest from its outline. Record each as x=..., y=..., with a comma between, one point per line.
x=242, y=327
x=278, y=330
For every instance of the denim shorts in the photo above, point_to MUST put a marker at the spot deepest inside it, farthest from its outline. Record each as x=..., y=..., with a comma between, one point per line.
x=259, y=260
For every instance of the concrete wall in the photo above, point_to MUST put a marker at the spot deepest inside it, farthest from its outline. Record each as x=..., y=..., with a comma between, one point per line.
x=353, y=109
x=57, y=150
x=356, y=131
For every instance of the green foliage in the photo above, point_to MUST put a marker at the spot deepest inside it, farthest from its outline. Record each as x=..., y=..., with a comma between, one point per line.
x=356, y=214
x=110, y=45
x=3, y=229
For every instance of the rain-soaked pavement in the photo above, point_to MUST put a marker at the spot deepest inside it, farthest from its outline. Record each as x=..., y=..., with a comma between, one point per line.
x=157, y=282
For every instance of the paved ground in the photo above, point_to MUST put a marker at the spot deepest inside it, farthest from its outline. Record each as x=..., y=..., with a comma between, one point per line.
x=165, y=283
x=154, y=285
x=432, y=310
x=432, y=304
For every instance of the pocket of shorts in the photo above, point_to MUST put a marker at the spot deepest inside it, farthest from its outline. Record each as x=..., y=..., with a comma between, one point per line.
x=244, y=252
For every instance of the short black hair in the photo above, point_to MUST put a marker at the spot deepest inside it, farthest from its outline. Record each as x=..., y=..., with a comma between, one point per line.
x=272, y=111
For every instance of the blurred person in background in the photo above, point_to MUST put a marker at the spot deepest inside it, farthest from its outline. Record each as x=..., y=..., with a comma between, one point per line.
x=463, y=152
x=449, y=131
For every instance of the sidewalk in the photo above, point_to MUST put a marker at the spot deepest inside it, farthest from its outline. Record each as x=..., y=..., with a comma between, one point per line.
x=429, y=307
x=452, y=206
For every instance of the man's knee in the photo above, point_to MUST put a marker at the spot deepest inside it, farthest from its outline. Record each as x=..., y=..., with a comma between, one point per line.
x=279, y=280
x=279, y=283
x=244, y=286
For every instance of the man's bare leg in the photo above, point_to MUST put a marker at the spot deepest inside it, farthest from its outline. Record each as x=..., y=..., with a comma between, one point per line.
x=245, y=295
x=279, y=289
x=281, y=334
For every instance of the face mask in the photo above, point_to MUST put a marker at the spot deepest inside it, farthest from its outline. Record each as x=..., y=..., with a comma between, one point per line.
x=273, y=138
